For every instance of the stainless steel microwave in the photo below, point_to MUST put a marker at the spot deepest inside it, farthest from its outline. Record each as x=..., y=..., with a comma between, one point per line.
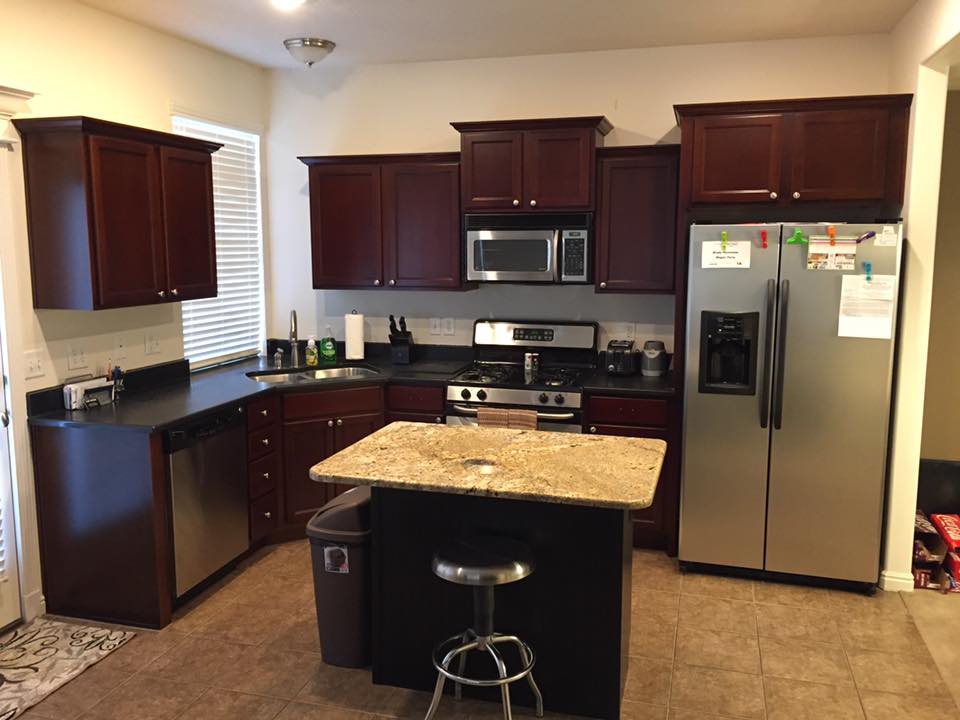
x=528, y=248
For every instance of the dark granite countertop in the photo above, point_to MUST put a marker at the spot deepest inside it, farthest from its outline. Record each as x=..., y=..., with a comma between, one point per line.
x=637, y=384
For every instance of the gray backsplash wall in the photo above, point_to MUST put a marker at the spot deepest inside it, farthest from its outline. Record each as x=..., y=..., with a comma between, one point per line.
x=648, y=316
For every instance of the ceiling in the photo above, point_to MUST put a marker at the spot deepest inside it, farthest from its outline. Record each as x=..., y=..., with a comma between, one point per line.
x=385, y=31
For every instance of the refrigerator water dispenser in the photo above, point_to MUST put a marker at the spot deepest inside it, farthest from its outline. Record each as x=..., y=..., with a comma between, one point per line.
x=728, y=353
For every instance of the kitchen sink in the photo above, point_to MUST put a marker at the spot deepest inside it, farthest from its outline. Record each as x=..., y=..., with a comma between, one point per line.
x=286, y=377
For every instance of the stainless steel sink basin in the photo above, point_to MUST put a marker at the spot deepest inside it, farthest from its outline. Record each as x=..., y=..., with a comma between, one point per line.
x=274, y=377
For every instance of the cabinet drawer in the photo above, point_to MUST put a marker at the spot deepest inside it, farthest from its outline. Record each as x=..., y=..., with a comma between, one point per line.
x=626, y=411
x=263, y=516
x=415, y=417
x=263, y=474
x=326, y=403
x=263, y=441
x=415, y=398
x=262, y=412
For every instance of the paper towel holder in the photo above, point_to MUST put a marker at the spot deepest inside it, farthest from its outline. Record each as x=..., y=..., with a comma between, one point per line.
x=352, y=350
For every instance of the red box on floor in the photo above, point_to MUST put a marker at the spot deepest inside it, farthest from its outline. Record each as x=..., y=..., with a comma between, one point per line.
x=949, y=527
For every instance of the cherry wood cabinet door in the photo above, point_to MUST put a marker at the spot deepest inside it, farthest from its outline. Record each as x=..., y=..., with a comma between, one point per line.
x=421, y=224
x=348, y=429
x=558, y=169
x=304, y=445
x=737, y=158
x=128, y=235
x=191, y=255
x=839, y=154
x=492, y=169
x=345, y=226
x=636, y=227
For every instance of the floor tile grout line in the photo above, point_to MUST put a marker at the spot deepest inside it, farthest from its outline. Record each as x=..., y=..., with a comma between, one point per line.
x=673, y=663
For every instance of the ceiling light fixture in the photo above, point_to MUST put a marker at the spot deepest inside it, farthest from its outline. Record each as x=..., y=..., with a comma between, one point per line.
x=309, y=50
x=287, y=5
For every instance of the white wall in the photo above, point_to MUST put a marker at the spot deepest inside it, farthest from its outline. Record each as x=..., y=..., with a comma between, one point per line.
x=408, y=108
x=80, y=61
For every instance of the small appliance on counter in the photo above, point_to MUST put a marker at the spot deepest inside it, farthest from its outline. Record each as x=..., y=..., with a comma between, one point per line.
x=85, y=394
x=621, y=358
x=654, y=360
x=401, y=342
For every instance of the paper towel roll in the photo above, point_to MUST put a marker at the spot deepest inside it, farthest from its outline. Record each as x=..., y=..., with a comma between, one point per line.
x=354, y=336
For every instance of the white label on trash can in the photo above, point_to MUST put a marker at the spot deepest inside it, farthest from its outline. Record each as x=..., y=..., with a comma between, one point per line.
x=336, y=559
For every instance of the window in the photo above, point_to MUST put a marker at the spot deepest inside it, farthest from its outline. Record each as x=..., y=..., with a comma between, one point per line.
x=230, y=325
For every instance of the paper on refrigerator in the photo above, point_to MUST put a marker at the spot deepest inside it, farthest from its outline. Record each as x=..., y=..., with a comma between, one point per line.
x=866, y=306
x=821, y=255
x=730, y=254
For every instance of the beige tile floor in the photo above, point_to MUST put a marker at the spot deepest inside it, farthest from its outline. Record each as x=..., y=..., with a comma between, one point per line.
x=702, y=647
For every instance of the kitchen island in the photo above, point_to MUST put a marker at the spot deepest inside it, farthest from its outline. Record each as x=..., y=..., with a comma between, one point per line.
x=566, y=496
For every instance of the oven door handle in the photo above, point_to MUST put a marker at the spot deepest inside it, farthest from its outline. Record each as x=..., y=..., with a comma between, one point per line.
x=472, y=412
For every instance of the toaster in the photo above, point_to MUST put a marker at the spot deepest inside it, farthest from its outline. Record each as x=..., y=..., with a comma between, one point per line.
x=621, y=358
x=88, y=393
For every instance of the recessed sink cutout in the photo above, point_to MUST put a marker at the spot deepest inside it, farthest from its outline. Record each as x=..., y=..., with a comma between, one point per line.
x=275, y=377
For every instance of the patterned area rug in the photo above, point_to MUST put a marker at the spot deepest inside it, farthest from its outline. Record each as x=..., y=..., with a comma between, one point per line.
x=39, y=657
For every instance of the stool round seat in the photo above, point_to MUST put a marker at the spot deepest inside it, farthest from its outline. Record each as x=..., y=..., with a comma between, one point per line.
x=483, y=560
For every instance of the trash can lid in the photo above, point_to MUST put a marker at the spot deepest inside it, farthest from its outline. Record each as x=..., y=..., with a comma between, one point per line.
x=346, y=518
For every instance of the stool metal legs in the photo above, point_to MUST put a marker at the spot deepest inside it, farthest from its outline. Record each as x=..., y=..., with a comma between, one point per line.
x=461, y=650
x=527, y=660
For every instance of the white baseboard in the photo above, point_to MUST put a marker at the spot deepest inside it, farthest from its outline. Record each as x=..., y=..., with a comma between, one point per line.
x=896, y=582
x=34, y=605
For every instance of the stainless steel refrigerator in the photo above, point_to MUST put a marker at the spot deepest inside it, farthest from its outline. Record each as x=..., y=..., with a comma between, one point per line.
x=787, y=406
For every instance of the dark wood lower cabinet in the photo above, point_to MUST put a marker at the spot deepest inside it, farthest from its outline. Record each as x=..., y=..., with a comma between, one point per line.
x=304, y=445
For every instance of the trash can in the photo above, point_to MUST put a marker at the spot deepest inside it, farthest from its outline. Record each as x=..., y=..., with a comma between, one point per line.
x=340, y=547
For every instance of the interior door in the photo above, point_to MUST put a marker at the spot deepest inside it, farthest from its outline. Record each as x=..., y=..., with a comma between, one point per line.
x=191, y=257
x=9, y=575
x=828, y=455
x=726, y=424
x=127, y=217
x=492, y=169
x=737, y=159
x=557, y=169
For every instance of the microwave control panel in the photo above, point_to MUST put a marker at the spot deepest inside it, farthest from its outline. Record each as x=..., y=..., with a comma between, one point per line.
x=573, y=256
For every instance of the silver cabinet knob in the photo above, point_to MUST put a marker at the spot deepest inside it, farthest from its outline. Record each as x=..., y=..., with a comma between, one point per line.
x=438, y=419
x=593, y=428
x=174, y=292
x=266, y=442
x=339, y=422
x=4, y=418
x=267, y=515
x=603, y=286
x=377, y=283
x=329, y=423
x=264, y=413
x=393, y=282
x=516, y=203
x=773, y=196
x=533, y=203
x=162, y=293
x=796, y=196
x=266, y=476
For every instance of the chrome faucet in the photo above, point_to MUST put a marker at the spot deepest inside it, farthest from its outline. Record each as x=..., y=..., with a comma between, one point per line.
x=294, y=348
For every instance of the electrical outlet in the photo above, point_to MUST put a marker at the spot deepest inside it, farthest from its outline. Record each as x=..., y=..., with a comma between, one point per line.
x=151, y=344
x=449, y=327
x=76, y=356
x=435, y=326
x=120, y=347
x=34, y=363
x=630, y=331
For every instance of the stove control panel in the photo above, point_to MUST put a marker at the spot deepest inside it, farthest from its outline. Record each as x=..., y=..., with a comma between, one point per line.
x=511, y=396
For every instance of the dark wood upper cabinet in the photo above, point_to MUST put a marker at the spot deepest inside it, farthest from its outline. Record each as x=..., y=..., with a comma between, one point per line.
x=530, y=165
x=492, y=170
x=345, y=226
x=117, y=215
x=737, y=158
x=191, y=257
x=636, y=218
x=785, y=152
x=421, y=224
x=385, y=220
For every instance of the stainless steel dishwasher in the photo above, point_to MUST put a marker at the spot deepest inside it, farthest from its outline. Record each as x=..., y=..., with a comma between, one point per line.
x=208, y=477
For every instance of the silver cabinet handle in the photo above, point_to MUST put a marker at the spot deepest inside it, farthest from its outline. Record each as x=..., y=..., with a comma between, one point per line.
x=438, y=419
x=603, y=286
x=264, y=413
x=329, y=423
x=266, y=442
x=796, y=196
x=5, y=418
x=516, y=203
x=393, y=282
x=266, y=476
x=339, y=422
x=593, y=428
x=174, y=292
x=267, y=515
x=533, y=203
x=162, y=293
x=773, y=196
x=377, y=283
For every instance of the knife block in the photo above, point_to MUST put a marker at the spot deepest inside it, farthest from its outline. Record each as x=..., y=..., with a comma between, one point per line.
x=401, y=349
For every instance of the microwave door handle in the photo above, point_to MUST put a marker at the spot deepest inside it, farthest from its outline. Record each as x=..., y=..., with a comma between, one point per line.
x=555, y=260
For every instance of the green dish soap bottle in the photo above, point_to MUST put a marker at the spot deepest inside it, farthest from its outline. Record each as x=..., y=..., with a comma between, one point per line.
x=313, y=355
x=328, y=348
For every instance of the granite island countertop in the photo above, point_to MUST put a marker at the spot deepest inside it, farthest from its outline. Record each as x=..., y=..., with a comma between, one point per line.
x=598, y=471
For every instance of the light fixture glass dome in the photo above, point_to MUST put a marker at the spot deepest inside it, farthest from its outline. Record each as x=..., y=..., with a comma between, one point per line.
x=309, y=50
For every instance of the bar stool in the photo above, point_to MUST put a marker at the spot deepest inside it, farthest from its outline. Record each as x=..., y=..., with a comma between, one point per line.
x=482, y=562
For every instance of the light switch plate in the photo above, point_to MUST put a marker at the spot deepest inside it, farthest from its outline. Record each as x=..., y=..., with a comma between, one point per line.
x=33, y=360
x=630, y=331
x=151, y=344
x=120, y=343
x=449, y=326
x=76, y=356
x=435, y=326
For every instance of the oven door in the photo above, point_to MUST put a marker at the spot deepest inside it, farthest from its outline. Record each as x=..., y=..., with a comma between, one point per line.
x=465, y=415
x=512, y=255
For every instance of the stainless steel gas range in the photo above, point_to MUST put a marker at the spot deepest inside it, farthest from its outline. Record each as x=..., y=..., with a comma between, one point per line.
x=527, y=365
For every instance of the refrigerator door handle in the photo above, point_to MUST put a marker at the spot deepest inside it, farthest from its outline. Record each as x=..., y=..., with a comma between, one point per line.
x=767, y=360
x=781, y=355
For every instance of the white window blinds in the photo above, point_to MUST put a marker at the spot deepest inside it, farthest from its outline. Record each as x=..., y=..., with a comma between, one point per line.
x=230, y=325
